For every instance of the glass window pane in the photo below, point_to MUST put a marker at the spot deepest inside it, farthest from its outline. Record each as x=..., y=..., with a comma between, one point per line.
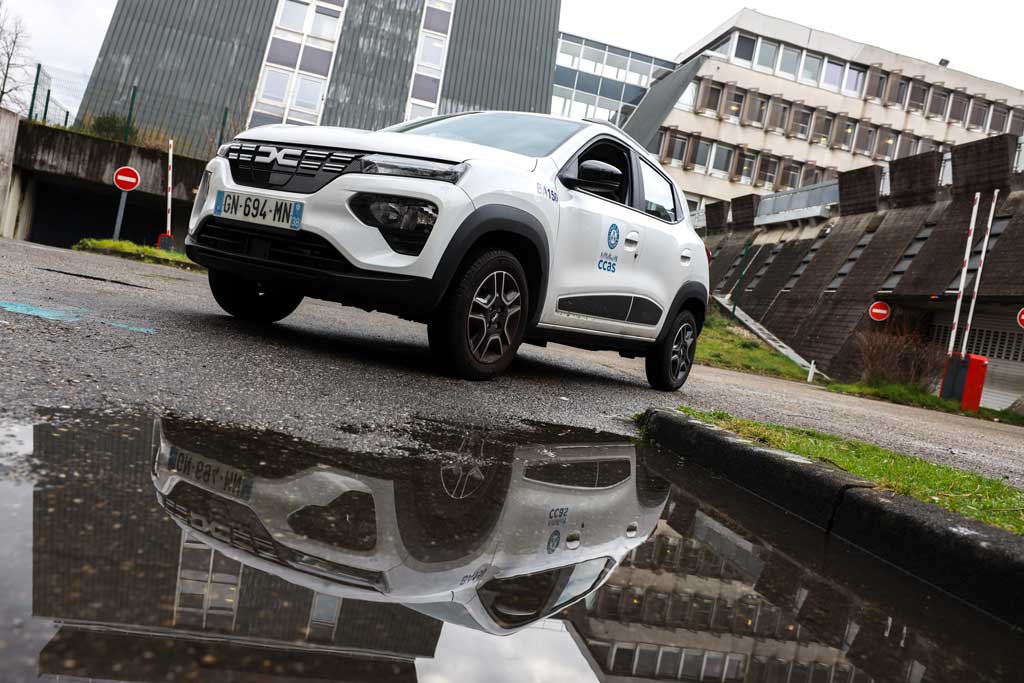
x=283, y=52
x=790, y=60
x=833, y=74
x=308, y=92
x=519, y=133
x=768, y=53
x=425, y=88
x=659, y=200
x=293, y=15
x=275, y=85
x=812, y=68
x=668, y=667
x=723, y=159
x=437, y=20
x=418, y=111
x=745, y=48
x=432, y=51
x=262, y=119
x=703, y=152
x=316, y=61
x=855, y=79
x=325, y=23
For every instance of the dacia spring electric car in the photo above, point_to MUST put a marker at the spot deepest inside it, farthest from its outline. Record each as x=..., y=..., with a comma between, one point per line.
x=495, y=540
x=492, y=228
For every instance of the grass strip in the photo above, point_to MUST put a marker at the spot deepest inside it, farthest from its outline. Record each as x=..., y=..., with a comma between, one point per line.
x=912, y=396
x=972, y=495
x=723, y=345
x=137, y=252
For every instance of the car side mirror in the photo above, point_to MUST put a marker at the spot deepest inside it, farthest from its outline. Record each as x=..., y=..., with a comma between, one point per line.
x=594, y=176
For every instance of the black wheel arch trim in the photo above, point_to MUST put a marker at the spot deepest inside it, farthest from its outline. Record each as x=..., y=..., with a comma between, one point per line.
x=488, y=220
x=691, y=291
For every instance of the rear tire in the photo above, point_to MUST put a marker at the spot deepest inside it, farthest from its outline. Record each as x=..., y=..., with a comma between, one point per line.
x=251, y=300
x=669, y=361
x=481, y=324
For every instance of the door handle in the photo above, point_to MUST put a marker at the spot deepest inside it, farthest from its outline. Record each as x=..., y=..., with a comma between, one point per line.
x=686, y=257
x=632, y=241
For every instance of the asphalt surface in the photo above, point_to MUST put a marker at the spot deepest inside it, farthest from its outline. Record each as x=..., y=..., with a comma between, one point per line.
x=90, y=331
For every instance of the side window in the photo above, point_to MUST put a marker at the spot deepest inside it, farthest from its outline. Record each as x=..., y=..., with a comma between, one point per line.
x=616, y=155
x=659, y=200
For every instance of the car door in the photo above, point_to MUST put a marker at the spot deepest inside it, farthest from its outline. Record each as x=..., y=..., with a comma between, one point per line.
x=598, y=241
x=672, y=253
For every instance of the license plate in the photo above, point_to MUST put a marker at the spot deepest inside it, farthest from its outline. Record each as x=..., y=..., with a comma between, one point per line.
x=220, y=478
x=276, y=213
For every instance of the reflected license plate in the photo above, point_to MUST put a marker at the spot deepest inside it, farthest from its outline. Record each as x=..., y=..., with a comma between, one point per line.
x=221, y=478
x=276, y=213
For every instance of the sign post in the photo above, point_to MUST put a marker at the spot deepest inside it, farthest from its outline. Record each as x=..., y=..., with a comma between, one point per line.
x=879, y=311
x=126, y=179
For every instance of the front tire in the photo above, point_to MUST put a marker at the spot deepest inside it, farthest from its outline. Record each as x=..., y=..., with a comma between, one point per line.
x=481, y=324
x=251, y=300
x=669, y=362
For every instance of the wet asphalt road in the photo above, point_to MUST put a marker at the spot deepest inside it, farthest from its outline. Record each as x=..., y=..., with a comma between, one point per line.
x=126, y=336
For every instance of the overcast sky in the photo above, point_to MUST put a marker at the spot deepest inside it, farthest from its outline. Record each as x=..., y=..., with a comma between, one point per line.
x=975, y=38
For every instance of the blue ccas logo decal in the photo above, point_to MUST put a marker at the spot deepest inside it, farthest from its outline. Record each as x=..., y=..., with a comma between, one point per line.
x=613, y=237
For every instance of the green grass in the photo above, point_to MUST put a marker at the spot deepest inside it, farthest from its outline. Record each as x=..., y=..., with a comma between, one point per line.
x=972, y=495
x=137, y=252
x=912, y=396
x=720, y=346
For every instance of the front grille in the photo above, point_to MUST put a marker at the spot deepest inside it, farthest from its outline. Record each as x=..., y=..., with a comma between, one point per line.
x=225, y=520
x=288, y=168
x=293, y=250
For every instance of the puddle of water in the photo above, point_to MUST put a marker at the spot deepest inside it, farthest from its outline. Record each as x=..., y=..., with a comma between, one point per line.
x=142, y=549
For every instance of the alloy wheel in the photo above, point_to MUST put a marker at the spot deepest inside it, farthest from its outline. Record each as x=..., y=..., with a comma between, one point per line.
x=683, y=350
x=493, y=317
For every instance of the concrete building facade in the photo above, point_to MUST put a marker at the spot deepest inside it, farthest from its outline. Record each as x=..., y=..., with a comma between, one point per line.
x=206, y=66
x=775, y=105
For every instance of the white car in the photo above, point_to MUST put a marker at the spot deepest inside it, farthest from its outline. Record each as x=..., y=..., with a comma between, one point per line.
x=493, y=228
x=495, y=541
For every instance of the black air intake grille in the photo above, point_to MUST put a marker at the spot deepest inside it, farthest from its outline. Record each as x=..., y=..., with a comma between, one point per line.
x=293, y=250
x=288, y=168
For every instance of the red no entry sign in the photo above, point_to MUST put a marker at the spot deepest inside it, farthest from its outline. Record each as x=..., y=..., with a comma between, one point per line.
x=127, y=178
x=879, y=311
x=1020, y=317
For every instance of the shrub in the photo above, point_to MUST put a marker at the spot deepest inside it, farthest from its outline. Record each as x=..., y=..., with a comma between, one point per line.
x=900, y=355
x=112, y=127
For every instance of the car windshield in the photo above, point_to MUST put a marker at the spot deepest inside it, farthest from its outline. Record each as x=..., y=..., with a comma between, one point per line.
x=532, y=136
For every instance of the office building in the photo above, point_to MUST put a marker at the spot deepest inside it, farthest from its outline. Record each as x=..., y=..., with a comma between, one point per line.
x=775, y=105
x=200, y=71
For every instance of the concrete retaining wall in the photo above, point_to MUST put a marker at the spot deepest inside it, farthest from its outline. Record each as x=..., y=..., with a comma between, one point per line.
x=8, y=137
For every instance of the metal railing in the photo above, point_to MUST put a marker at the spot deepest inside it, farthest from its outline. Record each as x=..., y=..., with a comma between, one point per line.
x=805, y=202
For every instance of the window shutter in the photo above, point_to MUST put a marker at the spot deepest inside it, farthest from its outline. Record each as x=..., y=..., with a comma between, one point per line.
x=726, y=99
x=883, y=134
x=666, y=144
x=791, y=125
x=808, y=172
x=737, y=162
x=759, y=168
x=702, y=93
x=746, y=114
x=838, y=129
x=691, y=151
x=874, y=78
x=892, y=88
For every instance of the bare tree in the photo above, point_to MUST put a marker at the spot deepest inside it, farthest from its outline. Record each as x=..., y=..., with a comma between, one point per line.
x=14, y=80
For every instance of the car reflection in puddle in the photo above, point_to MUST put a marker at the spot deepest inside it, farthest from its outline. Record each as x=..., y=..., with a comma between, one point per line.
x=144, y=550
x=495, y=536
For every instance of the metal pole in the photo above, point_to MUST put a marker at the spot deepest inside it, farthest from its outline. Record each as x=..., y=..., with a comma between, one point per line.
x=739, y=283
x=223, y=128
x=67, y=118
x=977, y=276
x=131, y=115
x=963, y=275
x=170, y=183
x=120, y=217
x=35, y=91
x=46, y=109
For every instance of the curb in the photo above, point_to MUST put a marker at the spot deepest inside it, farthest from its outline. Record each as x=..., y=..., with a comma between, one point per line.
x=973, y=561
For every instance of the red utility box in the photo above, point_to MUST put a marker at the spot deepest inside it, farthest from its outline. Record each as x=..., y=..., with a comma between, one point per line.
x=965, y=381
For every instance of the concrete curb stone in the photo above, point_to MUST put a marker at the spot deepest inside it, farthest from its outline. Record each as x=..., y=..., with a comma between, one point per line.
x=980, y=564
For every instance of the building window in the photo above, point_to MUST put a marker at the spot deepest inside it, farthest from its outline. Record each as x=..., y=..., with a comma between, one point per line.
x=906, y=146
x=789, y=62
x=703, y=153
x=676, y=150
x=878, y=87
x=744, y=48
x=615, y=66
x=979, y=113
x=293, y=15
x=722, y=159
x=802, y=122
x=735, y=105
x=713, y=98
x=851, y=261
x=569, y=55
x=823, y=123
x=833, y=74
x=865, y=141
x=887, y=145
x=854, y=83
x=323, y=618
x=767, y=54
x=722, y=46
x=846, y=134
x=811, y=71
x=689, y=99
x=900, y=269
x=958, y=108
x=779, y=114
x=1017, y=122
x=998, y=122
x=747, y=163
x=275, y=85
x=325, y=23
x=918, y=96
x=938, y=104
x=791, y=174
x=639, y=73
x=758, y=109
x=592, y=61
x=431, y=56
x=768, y=172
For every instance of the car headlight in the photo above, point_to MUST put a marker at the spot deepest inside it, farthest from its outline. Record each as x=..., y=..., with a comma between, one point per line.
x=381, y=164
x=404, y=222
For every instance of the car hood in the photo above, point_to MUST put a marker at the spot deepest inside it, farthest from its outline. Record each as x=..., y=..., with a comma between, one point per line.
x=402, y=144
